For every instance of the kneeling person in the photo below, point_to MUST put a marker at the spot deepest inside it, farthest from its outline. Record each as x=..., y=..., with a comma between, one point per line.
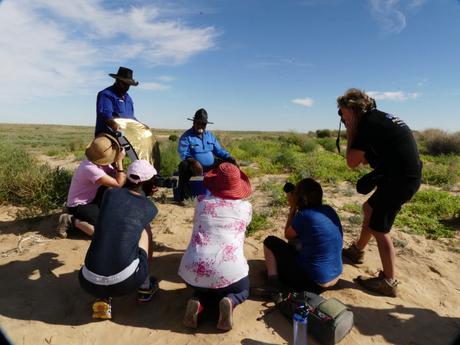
x=312, y=260
x=117, y=261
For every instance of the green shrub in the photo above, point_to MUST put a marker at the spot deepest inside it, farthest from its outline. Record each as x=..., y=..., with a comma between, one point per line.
x=427, y=212
x=259, y=221
x=173, y=137
x=169, y=158
x=328, y=144
x=25, y=182
x=441, y=171
x=323, y=133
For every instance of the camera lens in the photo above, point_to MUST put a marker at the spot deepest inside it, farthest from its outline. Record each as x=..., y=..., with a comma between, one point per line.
x=288, y=187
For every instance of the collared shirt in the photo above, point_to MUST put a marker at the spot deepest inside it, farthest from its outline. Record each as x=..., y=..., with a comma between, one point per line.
x=215, y=257
x=202, y=148
x=109, y=105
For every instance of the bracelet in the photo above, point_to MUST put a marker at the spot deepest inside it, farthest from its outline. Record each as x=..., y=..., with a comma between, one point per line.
x=120, y=170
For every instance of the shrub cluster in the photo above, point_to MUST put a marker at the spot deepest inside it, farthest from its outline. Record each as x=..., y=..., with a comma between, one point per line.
x=25, y=182
x=436, y=142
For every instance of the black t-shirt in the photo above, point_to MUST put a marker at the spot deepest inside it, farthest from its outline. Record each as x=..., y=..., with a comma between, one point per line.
x=388, y=144
x=122, y=218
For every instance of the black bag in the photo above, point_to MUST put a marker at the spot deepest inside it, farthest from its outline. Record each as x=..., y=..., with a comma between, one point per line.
x=369, y=181
x=329, y=320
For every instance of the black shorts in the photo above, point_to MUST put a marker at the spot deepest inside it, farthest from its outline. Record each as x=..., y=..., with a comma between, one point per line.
x=132, y=283
x=89, y=212
x=290, y=272
x=387, y=200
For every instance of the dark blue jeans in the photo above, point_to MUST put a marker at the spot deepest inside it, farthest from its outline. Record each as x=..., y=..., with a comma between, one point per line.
x=237, y=292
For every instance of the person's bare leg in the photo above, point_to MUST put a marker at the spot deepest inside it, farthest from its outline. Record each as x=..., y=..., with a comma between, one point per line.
x=86, y=227
x=270, y=262
x=387, y=253
x=366, y=232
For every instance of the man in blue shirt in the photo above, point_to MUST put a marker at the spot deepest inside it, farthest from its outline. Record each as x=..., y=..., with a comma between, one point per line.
x=199, y=152
x=115, y=101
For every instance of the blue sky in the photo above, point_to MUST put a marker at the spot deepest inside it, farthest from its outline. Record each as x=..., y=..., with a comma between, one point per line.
x=254, y=65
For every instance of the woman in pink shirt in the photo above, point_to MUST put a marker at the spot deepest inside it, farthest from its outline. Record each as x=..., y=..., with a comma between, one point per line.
x=89, y=181
x=214, y=264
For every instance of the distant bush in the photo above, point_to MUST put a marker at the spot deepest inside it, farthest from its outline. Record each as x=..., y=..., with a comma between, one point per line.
x=437, y=142
x=328, y=144
x=443, y=171
x=173, y=137
x=323, y=133
x=25, y=182
x=169, y=158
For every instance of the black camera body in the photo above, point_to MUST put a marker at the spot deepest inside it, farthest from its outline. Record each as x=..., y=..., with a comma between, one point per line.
x=165, y=182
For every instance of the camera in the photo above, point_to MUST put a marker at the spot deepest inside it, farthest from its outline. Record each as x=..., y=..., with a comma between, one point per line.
x=288, y=187
x=165, y=182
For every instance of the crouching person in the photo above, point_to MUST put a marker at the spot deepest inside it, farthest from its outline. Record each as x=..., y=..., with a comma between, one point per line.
x=118, y=259
x=214, y=264
x=92, y=177
x=312, y=260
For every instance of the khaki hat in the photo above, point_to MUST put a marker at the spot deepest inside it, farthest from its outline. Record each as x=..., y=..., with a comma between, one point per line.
x=103, y=150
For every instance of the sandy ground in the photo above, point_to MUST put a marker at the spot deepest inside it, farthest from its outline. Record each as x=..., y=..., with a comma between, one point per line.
x=41, y=301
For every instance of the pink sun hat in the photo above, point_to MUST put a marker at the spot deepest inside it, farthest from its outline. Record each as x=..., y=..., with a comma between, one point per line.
x=140, y=171
x=227, y=181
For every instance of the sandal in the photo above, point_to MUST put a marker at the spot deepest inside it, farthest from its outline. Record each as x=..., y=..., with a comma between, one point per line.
x=145, y=295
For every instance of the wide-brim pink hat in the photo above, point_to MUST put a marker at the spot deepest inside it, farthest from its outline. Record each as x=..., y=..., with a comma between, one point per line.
x=227, y=181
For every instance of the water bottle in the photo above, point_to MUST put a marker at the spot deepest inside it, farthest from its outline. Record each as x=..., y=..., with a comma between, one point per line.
x=299, y=323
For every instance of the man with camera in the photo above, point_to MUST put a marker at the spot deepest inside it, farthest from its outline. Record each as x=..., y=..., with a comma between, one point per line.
x=199, y=151
x=385, y=143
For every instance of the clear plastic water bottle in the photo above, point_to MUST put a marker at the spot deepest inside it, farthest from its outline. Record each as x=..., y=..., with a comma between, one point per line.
x=299, y=323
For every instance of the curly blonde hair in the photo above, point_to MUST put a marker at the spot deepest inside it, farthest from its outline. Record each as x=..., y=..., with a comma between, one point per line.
x=357, y=100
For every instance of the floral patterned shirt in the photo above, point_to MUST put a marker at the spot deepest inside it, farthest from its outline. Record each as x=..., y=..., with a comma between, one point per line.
x=214, y=257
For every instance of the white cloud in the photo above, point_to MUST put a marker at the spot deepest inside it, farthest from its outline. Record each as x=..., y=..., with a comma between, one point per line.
x=305, y=102
x=388, y=15
x=391, y=15
x=399, y=96
x=55, y=47
x=153, y=86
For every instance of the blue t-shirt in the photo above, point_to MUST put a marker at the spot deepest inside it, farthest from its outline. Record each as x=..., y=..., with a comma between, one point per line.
x=202, y=149
x=122, y=218
x=320, y=233
x=109, y=105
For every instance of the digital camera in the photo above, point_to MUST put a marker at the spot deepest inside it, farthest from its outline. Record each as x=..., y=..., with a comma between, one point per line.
x=165, y=182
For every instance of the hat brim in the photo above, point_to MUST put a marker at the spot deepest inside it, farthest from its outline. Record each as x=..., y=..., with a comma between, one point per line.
x=241, y=190
x=131, y=82
x=194, y=120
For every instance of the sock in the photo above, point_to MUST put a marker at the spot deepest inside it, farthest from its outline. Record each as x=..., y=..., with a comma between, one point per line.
x=146, y=284
x=390, y=281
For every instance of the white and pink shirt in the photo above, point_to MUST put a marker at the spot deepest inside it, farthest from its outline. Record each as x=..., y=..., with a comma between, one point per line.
x=214, y=257
x=83, y=187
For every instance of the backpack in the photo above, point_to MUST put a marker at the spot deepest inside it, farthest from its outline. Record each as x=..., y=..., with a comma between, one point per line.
x=329, y=320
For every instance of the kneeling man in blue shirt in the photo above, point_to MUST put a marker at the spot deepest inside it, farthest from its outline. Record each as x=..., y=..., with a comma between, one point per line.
x=199, y=152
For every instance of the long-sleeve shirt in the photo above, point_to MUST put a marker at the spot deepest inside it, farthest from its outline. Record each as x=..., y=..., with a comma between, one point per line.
x=202, y=148
x=109, y=105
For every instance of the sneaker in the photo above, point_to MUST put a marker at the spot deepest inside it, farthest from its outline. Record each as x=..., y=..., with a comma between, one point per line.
x=354, y=254
x=145, y=295
x=194, y=308
x=64, y=225
x=225, y=322
x=102, y=309
x=379, y=284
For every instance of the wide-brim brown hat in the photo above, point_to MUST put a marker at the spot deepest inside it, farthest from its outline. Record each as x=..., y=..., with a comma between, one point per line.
x=227, y=181
x=103, y=150
x=125, y=75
